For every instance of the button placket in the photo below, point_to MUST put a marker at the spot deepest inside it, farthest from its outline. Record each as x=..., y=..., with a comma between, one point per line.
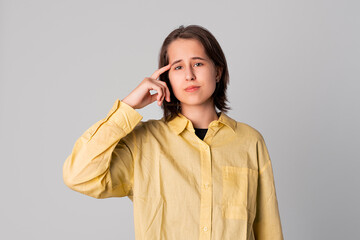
x=206, y=193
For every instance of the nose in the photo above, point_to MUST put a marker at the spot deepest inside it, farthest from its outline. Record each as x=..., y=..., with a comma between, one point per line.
x=190, y=74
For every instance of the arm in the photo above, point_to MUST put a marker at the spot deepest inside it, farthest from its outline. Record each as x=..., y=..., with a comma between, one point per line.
x=101, y=162
x=267, y=224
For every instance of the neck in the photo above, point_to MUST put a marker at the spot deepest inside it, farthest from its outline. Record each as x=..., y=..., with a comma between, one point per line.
x=200, y=116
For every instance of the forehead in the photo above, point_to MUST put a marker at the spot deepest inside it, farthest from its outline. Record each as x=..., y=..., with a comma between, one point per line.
x=185, y=48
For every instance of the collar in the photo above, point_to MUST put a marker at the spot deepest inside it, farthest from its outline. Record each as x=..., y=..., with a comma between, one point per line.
x=179, y=123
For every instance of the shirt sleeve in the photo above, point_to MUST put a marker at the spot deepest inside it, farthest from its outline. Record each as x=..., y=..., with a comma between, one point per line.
x=101, y=162
x=267, y=224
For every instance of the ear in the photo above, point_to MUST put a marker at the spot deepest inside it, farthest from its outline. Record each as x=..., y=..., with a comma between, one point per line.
x=218, y=73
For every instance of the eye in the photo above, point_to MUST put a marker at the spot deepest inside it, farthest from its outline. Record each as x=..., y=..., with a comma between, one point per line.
x=196, y=64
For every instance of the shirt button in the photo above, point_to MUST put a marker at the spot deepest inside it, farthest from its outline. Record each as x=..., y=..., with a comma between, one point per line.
x=206, y=185
x=205, y=229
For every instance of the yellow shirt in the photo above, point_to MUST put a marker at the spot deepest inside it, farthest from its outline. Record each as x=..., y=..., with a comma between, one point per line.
x=182, y=187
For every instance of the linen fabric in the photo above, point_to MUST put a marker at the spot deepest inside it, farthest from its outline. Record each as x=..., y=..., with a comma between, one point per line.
x=182, y=187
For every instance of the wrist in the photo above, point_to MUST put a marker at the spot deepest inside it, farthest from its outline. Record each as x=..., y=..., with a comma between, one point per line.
x=125, y=100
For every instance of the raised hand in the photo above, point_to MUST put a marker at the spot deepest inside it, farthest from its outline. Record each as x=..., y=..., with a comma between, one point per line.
x=141, y=96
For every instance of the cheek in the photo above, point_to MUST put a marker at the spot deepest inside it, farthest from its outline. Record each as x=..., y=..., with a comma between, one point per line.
x=174, y=85
x=174, y=79
x=173, y=75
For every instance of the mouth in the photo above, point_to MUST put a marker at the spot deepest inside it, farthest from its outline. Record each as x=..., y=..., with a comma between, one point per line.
x=191, y=89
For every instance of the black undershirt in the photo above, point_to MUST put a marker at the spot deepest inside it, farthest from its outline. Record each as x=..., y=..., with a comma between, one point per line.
x=201, y=132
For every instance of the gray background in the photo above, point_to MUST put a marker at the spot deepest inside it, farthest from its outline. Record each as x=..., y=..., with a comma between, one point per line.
x=294, y=76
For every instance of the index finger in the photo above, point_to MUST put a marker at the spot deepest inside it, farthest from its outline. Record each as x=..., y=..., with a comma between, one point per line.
x=158, y=72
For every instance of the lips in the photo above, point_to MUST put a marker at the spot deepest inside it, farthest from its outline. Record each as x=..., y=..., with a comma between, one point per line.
x=191, y=88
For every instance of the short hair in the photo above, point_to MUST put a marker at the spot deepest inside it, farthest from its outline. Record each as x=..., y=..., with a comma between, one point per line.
x=213, y=51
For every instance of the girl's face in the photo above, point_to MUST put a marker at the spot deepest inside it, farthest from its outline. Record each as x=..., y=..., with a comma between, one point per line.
x=191, y=67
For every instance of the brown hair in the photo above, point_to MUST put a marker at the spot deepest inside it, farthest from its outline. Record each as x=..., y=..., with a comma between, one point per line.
x=213, y=51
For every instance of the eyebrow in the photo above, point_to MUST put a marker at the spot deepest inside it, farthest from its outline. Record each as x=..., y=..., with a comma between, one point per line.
x=179, y=60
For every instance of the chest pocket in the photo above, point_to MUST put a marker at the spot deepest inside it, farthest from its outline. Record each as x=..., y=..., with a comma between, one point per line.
x=239, y=192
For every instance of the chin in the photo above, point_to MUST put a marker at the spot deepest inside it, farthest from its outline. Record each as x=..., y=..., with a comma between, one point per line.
x=194, y=99
x=195, y=102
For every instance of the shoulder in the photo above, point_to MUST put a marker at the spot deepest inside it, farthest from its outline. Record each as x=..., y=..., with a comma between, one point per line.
x=151, y=126
x=149, y=134
x=241, y=129
x=248, y=131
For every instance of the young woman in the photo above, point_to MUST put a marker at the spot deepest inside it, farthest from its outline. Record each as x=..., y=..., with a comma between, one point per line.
x=194, y=174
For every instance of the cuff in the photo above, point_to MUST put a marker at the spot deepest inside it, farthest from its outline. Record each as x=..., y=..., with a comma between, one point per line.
x=124, y=116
